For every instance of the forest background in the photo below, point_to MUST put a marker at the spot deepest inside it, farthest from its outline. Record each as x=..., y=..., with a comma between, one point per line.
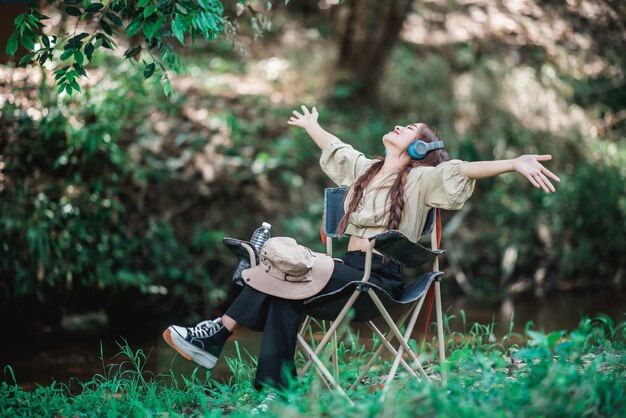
x=116, y=198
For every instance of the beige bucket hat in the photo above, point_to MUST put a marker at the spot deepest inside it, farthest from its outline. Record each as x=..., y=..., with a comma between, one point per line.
x=289, y=270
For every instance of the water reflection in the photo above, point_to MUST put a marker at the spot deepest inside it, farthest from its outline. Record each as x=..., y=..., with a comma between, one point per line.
x=549, y=313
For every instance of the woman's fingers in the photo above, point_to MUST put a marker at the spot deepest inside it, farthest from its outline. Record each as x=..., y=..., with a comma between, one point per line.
x=536, y=173
x=299, y=119
x=546, y=182
x=532, y=181
x=550, y=174
x=539, y=180
x=544, y=157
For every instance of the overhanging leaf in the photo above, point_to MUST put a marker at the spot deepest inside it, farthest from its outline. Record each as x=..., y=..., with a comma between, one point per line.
x=106, y=27
x=94, y=7
x=25, y=59
x=73, y=11
x=134, y=26
x=89, y=48
x=78, y=57
x=28, y=42
x=179, y=26
x=148, y=71
x=167, y=87
x=12, y=44
x=66, y=54
x=148, y=11
x=115, y=19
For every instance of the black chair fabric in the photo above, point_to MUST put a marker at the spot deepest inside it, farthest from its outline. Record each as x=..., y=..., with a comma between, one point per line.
x=392, y=244
x=235, y=246
x=328, y=306
x=396, y=246
x=333, y=209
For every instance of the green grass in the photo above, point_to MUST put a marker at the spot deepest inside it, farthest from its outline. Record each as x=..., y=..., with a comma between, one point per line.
x=559, y=374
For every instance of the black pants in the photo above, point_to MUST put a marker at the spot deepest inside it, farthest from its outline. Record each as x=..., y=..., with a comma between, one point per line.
x=279, y=319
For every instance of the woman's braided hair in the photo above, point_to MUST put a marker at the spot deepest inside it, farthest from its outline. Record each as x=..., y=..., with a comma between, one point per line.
x=395, y=199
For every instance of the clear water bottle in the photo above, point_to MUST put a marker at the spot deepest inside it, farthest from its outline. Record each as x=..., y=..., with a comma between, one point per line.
x=260, y=236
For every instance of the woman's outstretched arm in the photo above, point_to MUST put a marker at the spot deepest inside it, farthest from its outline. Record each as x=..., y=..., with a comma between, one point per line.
x=308, y=121
x=527, y=165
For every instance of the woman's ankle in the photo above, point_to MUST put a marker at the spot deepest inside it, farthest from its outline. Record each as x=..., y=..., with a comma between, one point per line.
x=229, y=323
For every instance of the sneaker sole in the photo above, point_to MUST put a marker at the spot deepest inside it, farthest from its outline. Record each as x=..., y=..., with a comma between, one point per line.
x=187, y=350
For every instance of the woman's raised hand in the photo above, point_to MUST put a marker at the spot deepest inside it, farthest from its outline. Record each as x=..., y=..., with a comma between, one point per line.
x=535, y=172
x=304, y=119
x=308, y=121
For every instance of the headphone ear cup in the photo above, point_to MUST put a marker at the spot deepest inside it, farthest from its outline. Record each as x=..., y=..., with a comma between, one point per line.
x=412, y=152
x=418, y=149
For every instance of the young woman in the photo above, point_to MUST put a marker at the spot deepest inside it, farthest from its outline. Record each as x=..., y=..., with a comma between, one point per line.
x=391, y=193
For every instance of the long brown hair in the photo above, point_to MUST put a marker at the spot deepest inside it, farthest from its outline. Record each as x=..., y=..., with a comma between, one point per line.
x=396, y=193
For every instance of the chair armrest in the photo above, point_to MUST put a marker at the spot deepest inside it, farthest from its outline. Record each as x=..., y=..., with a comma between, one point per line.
x=396, y=246
x=242, y=249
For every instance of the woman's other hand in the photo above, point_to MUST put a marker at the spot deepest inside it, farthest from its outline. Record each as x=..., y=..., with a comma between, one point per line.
x=531, y=168
x=308, y=121
x=305, y=119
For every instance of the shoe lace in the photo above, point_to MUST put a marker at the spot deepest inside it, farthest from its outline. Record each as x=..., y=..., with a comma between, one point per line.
x=205, y=328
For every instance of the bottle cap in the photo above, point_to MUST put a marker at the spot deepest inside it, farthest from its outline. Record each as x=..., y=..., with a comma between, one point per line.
x=266, y=225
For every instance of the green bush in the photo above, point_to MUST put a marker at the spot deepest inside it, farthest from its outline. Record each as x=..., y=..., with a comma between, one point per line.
x=75, y=205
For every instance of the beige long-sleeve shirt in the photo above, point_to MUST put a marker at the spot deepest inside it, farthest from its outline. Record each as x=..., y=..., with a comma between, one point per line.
x=444, y=186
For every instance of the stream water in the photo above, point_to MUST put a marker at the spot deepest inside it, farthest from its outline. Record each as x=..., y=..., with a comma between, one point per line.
x=78, y=355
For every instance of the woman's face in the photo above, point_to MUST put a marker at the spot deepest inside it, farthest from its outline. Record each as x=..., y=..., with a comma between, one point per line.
x=400, y=138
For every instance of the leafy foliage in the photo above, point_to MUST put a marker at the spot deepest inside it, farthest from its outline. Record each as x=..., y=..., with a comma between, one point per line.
x=117, y=188
x=580, y=373
x=73, y=219
x=567, y=237
x=162, y=25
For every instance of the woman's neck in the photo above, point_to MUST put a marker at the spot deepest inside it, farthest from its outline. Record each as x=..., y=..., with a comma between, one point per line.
x=393, y=164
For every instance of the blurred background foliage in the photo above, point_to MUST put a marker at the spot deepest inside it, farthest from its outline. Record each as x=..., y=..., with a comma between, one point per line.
x=120, y=196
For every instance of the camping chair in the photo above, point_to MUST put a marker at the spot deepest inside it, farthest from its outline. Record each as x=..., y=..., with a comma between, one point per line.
x=366, y=301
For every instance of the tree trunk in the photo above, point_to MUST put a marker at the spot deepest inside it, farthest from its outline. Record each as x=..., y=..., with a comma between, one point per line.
x=366, y=31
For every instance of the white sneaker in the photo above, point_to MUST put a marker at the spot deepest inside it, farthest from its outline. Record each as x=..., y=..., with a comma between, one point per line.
x=202, y=343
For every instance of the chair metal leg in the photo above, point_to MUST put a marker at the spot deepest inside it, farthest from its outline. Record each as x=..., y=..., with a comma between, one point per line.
x=305, y=325
x=303, y=329
x=407, y=336
x=333, y=327
x=392, y=350
x=335, y=358
x=397, y=333
x=318, y=372
x=392, y=373
x=442, y=346
x=386, y=342
x=330, y=381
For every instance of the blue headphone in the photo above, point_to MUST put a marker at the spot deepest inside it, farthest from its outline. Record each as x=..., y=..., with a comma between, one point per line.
x=418, y=149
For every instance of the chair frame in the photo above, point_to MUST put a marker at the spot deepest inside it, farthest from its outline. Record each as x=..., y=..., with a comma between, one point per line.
x=413, y=309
